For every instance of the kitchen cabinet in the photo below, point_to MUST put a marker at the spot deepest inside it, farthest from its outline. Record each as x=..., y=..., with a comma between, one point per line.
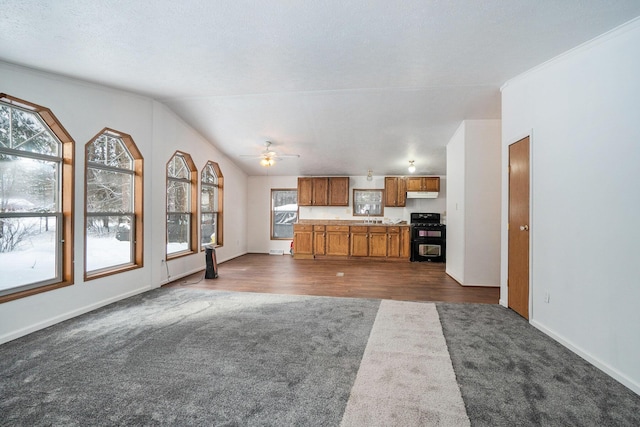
x=405, y=242
x=393, y=242
x=395, y=191
x=368, y=241
x=359, y=241
x=339, y=191
x=378, y=241
x=337, y=240
x=319, y=240
x=423, y=183
x=323, y=191
x=302, y=241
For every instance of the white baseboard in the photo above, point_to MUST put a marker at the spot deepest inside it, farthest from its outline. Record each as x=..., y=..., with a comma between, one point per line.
x=503, y=303
x=68, y=315
x=612, y=372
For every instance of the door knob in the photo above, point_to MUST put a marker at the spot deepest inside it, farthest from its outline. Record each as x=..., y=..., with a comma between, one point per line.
x=524, y=228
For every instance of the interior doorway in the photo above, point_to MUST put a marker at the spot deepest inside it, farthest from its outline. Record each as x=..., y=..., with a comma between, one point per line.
x=518, y=227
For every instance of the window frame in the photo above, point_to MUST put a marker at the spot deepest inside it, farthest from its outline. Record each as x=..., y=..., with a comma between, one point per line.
x=137, y=232
x=272, y=210
x=219, y=192
x=193, y=205
x=65, y=232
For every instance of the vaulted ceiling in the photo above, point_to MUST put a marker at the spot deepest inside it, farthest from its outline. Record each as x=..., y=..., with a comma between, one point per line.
x=349, y=85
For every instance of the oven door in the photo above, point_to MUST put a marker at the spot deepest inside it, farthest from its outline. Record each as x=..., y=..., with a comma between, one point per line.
x=425, y=250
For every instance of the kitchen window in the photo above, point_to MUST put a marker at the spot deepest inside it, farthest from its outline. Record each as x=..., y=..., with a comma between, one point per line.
x=284, y=213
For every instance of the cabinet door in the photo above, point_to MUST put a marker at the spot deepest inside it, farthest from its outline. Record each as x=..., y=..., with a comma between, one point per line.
x=390, y=191
x=393, y=242
x=302, y=241
x=378, y=244
x=339, y=191
x=405, y=242
x=414, y=183
x=359, y=241
x=432, y=184
x=337, y=242
x=305, y=192
x=320, y=191
x=319, y=241
x=402, y=192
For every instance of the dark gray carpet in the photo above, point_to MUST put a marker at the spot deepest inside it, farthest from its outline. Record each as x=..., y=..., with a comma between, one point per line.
x=512, y=374
x=190, y=357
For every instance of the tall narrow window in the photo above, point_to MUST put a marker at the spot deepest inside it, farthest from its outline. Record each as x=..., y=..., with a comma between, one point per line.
x=284, y=212
x=113, y=191
x=211, y=205
x=181, y=205
x=36, y=193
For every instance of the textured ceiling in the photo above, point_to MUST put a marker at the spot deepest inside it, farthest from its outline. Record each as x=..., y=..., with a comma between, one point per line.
x=350, y=85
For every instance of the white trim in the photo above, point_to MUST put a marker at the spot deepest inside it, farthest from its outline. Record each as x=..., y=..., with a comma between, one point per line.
x=69, y=315
x=612, y=372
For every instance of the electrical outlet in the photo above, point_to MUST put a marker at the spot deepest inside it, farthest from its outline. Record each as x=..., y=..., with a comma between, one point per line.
x=547, y=297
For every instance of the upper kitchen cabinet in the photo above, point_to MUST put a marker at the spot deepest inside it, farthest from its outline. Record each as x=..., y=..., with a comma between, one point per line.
x=395, y=191
x=323, y=191
x=423, y=183
x=339, y=191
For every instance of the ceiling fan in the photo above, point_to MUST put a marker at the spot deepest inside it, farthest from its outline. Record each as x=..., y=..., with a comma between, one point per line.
x=268, y=157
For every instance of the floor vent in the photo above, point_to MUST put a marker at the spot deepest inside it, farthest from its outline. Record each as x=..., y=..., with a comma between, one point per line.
x=276, y=252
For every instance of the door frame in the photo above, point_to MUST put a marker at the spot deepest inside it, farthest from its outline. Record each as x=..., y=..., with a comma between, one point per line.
x=504, y=299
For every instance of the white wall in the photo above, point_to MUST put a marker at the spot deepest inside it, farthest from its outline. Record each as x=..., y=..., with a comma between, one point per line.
x=456, y=205
x=85, y=109
x=581, y=110
x=473, y=203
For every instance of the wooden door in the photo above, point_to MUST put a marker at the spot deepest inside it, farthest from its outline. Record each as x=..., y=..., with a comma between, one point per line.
x=320, y=191
x=414, y=183
x=393, y=242
x=339, y=191
x=390, y=191
x=378, y=241
x=432, y=184
x=518, y=258
x=337, y=242
x=319, y=240
x=402, y=192
x=305, y=192
x=405, y=242
x=302, y=241
x=359, y=241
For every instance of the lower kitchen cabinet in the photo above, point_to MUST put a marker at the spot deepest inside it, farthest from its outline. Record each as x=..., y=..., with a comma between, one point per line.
x=319, y=240
x=343, y=241
x=302, y=241
x=337, y=243
x=378, y=241
x=359, y=241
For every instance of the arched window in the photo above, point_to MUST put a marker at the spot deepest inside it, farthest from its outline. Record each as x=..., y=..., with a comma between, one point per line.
x=182, y=205
x=36, y=194
x=211, y=197
x=113, y=200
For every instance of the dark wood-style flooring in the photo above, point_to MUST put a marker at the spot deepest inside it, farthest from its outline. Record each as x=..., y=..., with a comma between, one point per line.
x=281, y=274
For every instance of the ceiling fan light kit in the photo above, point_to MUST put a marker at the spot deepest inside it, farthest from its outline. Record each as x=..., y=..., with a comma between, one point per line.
x=268, y=157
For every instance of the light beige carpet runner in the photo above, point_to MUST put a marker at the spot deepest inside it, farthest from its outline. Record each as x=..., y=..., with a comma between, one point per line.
x=405, y=377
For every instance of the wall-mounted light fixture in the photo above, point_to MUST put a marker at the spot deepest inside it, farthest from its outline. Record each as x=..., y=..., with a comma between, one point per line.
x=412, y=167
x=369, y=175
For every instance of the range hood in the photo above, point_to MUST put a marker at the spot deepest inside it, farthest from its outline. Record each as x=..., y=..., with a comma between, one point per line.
x=422, y=194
